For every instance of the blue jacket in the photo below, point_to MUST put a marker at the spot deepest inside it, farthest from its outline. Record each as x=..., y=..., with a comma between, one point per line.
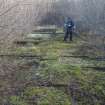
x=69, y=24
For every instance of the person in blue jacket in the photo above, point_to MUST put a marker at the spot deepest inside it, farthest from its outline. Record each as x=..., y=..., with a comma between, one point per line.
x=68, y=27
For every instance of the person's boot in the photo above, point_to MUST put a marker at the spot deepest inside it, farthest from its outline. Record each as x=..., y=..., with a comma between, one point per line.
x=71, y=40
x=65, y=40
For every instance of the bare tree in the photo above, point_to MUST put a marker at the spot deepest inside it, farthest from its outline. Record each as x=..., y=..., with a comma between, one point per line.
x=18, y=17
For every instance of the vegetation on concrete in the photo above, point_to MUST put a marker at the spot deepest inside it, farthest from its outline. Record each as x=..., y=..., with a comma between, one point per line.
x=56, y=80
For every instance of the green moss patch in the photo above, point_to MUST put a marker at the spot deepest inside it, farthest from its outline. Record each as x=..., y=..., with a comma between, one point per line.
x=41, y=96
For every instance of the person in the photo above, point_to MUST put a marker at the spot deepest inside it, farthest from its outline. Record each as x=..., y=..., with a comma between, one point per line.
x=68, y=27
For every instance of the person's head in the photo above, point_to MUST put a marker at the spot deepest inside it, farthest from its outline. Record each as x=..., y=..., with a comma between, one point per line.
x=69, y=19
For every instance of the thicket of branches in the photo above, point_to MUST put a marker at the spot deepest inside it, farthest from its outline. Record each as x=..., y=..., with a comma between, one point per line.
x=17, y=17
x=88, y=14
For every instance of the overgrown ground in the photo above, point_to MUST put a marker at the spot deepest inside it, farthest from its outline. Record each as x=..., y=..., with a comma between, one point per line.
x=52, y=73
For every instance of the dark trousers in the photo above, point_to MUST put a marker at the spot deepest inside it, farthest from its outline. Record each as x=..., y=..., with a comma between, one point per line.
x=68, y=34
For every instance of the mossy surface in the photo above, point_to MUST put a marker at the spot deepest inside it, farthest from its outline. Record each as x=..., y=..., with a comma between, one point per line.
x=57, y=79
x=41, y=96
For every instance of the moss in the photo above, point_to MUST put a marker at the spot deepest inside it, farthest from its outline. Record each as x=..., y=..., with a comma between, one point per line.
x=87, y=85
x=47, y=96
x=40, y=96
x=16, y=100
x=89, y=88
x=23, y=50
x=57, y=73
